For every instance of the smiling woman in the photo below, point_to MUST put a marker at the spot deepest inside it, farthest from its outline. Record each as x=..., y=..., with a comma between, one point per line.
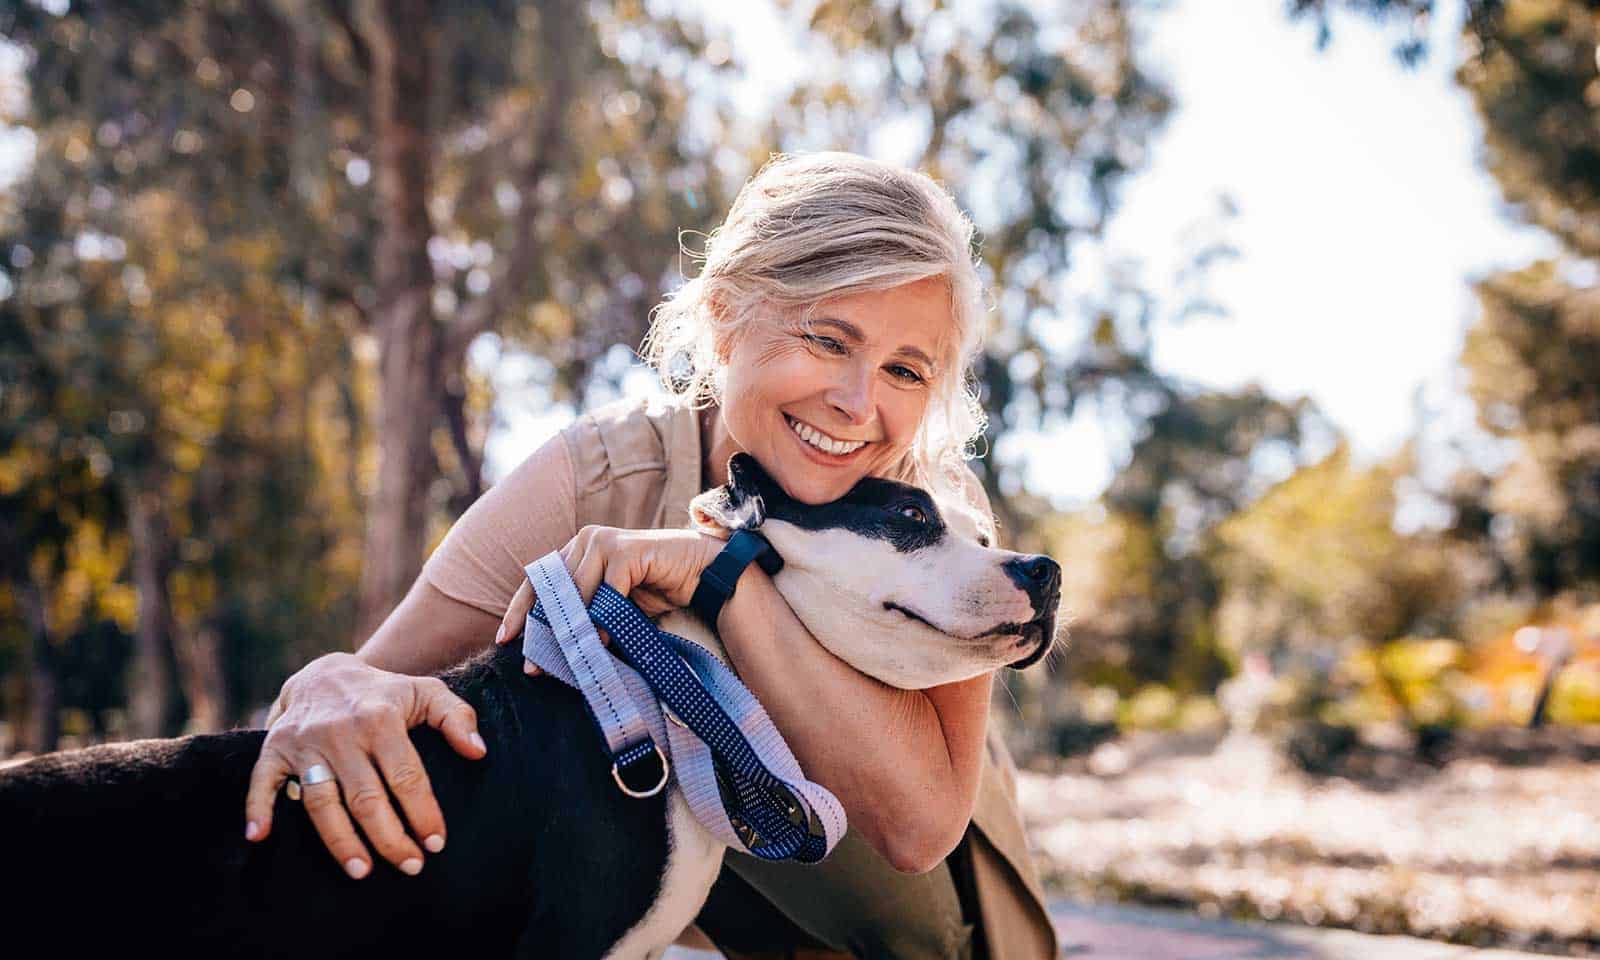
x=828, y=335
x=864, y=264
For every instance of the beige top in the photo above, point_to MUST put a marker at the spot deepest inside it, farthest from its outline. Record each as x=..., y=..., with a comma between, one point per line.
x=636, y=465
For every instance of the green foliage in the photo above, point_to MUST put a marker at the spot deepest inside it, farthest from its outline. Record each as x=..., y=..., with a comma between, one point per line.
x=1531, y=70
x=1315, y=572
x=1576, y=697
x=187, y=314
x=1531, y=359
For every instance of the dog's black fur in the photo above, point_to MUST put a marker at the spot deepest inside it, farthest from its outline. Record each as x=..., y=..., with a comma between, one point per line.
x=140, y=847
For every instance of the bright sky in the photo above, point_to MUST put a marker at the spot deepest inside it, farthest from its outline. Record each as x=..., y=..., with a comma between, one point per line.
x=1363, y=212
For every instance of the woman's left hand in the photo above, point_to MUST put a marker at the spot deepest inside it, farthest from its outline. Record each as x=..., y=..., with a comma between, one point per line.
x=657, y=569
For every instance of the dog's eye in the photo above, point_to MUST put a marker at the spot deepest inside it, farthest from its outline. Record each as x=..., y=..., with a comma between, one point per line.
x=913, y=512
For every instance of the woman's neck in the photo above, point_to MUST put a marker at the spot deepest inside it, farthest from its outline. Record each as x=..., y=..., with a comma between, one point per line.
x=716, y=446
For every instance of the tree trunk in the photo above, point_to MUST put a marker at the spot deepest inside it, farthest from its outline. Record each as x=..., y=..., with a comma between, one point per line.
x=44, y=681
x=199, y=656
x=409, y=339
x=154, y=709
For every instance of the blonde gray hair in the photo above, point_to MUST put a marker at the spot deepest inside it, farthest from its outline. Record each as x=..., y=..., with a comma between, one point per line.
x=810, y=227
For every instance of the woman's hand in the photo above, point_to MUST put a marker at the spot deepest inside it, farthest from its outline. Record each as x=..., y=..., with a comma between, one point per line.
x=656, y=569
x=352, y=718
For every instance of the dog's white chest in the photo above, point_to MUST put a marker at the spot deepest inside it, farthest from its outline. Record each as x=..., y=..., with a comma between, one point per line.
x=693, y=861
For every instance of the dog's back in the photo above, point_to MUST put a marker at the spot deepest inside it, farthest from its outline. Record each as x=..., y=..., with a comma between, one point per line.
x=141, y=844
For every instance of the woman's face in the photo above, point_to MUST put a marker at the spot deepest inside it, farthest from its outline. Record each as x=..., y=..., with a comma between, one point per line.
x=824, y=407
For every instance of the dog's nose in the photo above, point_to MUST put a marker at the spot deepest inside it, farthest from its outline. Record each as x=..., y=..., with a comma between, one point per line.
x=1039, y=576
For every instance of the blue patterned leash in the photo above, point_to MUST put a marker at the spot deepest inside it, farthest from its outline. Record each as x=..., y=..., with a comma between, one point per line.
x=735, y=770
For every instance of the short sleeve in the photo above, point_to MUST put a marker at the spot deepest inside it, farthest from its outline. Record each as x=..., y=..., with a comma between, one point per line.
x=530, y=512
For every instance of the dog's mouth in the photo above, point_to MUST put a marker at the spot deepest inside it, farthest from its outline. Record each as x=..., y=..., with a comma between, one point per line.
x=1033, y=636
x=910, y=614
x=1036, y=638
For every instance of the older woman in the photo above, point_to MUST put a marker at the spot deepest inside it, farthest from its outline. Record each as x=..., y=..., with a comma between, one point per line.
x=829, y=334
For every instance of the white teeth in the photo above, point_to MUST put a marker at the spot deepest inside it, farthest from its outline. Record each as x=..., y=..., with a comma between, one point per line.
x=821, y=440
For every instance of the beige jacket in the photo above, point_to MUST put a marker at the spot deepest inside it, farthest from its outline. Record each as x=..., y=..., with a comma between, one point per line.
x=637, y=466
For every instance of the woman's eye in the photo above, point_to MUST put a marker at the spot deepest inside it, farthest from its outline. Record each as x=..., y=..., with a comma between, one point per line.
x=911, y=512
x=827, y=343
x=905, y=373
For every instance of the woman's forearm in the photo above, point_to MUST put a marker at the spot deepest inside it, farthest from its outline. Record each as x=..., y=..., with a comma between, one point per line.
x=428, y=632
x=478, y=566
x=904, y=763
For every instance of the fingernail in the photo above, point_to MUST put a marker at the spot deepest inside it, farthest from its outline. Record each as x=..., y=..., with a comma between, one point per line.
x=477, y=741
x=252, y=830
x=500, y=634
x=411, y=867
x=434, y=843
x=356, y=867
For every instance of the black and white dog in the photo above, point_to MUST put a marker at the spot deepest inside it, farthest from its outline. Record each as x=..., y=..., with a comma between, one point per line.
x=137, y=846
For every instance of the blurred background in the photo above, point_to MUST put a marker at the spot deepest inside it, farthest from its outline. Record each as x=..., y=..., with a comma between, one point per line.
x=1294, y=364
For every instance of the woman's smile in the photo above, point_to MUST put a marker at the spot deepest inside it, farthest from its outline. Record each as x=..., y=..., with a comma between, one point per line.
x=835, y=450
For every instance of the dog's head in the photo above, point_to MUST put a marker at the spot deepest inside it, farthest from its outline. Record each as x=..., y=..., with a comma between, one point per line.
x=902, y=588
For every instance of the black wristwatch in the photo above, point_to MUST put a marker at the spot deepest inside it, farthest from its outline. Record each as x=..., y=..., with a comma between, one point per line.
x=718, y=580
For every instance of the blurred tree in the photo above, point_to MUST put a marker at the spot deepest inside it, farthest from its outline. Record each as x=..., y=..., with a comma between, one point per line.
x=502, y=189
x=1532, y=358
x=1531, y=69
x=1315, y=570
x=1148, y=582
x=186, y=260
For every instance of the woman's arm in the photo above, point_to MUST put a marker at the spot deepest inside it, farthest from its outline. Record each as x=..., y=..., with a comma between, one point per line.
x=428, y=632
x=903, y=762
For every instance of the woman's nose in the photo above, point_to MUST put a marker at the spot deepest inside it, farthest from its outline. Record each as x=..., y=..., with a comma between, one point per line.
x=853, y=394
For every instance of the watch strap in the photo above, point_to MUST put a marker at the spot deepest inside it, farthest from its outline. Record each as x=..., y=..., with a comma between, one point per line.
x=718, y=580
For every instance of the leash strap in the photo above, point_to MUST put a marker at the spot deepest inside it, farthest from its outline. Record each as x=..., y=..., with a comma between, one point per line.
x=734, y=768
x=582, y=662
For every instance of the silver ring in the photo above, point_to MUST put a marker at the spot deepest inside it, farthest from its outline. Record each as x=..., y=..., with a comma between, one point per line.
x=316, y=773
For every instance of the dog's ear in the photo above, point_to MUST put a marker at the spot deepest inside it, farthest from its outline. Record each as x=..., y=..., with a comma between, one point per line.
x=739, y=504
x=747, y=478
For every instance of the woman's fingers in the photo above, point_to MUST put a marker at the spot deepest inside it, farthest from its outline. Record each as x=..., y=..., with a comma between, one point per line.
x=589, y=563
x=408, y=781
x=437, y=706
x=325, y=806
x=516, y=614
x=366, y=792
x=270, y=771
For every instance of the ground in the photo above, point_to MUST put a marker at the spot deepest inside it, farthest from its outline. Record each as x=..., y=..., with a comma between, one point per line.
x=1477, y=850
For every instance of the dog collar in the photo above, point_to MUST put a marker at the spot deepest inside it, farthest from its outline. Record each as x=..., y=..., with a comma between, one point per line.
x=718, y=580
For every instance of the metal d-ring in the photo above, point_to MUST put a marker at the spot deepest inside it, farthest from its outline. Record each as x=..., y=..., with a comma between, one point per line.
x=666, y=771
